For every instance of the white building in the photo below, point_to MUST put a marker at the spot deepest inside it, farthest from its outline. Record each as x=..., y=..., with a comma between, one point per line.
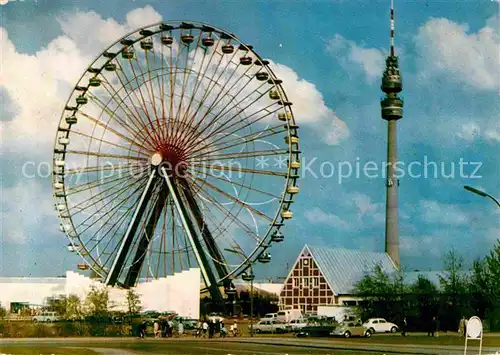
x=179, y=292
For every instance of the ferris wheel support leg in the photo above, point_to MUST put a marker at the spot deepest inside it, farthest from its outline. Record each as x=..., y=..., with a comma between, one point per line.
x=145, y=239
x=206, y=272
x=213, y=250
x=117, y=265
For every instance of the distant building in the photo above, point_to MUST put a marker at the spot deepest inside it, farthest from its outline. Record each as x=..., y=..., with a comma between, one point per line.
x=326, y=276
x=179, y=292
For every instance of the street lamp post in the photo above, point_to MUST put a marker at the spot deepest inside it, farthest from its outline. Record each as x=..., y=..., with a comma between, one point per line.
x=482, y=194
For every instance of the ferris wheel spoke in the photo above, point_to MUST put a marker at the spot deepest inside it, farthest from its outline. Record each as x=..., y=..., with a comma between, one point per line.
x=242, y=170
x=198, y=83
x=145, y=238
x=139, y=122
x=97, y=168
x=120, y=102
x=244, y=139
x=100, y=140
x=143, y=101
x=234, y=183
x=99, y=197
x=223, y=209
x=118, y=134
x=113, y=114
x=218, y=99
x=93, y=185
x=236, y=200
x=105, y=155
x=239, y=155
x=247, y=138
x=105, y=206
x=211, y=85
x=223, y=126
x=116, y=227
x=186, y=71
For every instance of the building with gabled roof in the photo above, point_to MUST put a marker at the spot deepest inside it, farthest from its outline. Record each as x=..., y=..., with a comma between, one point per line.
x=327, y=276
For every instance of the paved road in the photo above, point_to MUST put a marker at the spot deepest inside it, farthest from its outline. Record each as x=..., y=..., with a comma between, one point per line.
x=229, y=346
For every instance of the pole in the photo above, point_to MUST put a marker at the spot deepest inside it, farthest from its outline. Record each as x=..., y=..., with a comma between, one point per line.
x=251, y=305
x=482, y=194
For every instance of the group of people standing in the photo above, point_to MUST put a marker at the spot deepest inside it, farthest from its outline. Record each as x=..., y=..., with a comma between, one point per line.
x=162, y=328
x=211, y=327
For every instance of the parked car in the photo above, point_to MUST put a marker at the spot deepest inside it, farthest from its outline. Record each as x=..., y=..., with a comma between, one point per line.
x=269, y=326
x=380, y=325
x=349, y=329
x=314, y=331
x=46, y=317
x=296, y=324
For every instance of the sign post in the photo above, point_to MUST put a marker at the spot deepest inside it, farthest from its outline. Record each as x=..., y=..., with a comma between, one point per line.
x=474, y=332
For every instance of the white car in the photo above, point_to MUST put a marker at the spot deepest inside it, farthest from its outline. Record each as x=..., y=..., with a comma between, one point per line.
x=270, y=316
x=380, y=325
x=296, y=324
x=269, y=326
x=46, y=317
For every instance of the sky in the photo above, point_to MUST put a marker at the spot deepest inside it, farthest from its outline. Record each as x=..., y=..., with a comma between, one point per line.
x=331, y=55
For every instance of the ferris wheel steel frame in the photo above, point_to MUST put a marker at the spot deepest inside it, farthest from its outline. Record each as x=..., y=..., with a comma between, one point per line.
x=180, y=192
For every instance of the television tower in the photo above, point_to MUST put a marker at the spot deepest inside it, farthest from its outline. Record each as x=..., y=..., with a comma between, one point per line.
x=392, y=111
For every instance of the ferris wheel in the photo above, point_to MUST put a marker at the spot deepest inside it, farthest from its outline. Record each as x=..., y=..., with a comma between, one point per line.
x=177, y=148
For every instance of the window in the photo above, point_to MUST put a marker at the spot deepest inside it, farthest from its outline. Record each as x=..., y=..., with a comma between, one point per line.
x=295, y=282
x=316, y=281
x=375, y=322
x=382, y=321
x=306, y=282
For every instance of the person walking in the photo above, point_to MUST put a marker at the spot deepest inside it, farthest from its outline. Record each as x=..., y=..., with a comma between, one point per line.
x=403, y=327
x=205, y=328
x=432, y=327
x=156, y=329
x=142, y=329
x=461, y=327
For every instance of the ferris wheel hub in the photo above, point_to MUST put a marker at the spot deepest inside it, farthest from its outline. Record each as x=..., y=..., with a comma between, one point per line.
x=156, y=159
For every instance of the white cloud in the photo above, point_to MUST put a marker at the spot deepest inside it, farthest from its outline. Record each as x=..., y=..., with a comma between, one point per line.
x=309, y=106
x=317, y=216
x=365, y=206
x=469, y=131
x=438, y=213
x=419, y=246
x=370, y=60
x=25, y=208
x=449, y=49
x=493, y=133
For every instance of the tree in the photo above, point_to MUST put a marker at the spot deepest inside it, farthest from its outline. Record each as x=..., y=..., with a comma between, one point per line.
x=73, y=307
x=383, y=295
x=3, y=312
x=133, y=302
x=454, y=288
x=97, y=303
x=424, y=302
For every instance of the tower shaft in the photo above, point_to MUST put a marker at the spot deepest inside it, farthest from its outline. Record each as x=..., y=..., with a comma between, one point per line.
x=391, y=207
